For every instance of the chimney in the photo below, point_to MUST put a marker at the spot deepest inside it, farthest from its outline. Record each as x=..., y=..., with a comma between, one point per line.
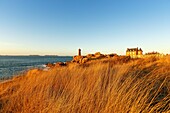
x=79, y=52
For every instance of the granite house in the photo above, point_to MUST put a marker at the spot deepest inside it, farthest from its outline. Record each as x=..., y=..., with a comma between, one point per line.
x=134, y=52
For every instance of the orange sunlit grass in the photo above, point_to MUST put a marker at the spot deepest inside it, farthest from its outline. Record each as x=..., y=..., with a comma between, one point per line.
x=115, y=85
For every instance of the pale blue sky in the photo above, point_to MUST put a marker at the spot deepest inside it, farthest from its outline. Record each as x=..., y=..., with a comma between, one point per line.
x=62, y=26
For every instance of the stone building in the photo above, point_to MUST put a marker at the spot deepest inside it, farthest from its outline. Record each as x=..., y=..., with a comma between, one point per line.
x=134, y=52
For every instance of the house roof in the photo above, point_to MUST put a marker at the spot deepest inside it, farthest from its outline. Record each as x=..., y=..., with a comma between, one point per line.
x=133, y=49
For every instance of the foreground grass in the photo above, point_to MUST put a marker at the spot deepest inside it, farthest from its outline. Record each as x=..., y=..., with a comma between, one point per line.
x=117, y=85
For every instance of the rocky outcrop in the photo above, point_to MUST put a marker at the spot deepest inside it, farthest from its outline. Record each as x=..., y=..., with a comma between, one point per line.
x=111, y=55
x=81, y=59
x=89, y=57
x=77, y=59
x=58, y=64
x=84, y=60
x=50, y=65
x=98, y=55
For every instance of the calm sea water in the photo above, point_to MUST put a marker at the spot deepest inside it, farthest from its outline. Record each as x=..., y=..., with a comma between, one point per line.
x=13, y=65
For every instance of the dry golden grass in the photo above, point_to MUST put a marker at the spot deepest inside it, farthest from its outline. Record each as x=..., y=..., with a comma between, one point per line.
x=117, y=85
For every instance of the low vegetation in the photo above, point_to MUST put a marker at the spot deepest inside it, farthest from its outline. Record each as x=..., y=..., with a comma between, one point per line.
x=114, y=85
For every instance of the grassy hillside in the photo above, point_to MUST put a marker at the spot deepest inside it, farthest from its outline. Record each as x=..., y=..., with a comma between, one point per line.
x=116, y=85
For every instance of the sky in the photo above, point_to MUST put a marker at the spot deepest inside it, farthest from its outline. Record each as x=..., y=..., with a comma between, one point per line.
x=61, y=27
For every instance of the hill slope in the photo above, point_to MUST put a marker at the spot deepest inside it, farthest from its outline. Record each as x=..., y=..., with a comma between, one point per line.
x=117, y=85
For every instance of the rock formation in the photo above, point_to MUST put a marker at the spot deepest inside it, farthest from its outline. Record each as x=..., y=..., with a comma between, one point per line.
x=82, y=59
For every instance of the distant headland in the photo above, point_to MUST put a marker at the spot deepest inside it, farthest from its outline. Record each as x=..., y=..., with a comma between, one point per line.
x=131, y=53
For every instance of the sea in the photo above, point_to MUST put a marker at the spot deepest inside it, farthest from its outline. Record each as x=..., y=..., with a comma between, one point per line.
x=14, y=65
